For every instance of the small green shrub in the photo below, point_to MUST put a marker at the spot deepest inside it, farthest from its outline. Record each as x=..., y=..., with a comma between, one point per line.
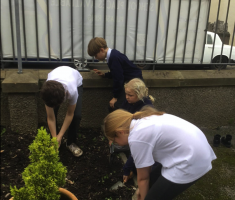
x=45, y=174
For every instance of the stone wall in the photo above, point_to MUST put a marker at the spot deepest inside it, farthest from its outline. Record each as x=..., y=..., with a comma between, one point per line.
x=5, y=114
x=203, y=106
x=23, y=112
x=203, y=97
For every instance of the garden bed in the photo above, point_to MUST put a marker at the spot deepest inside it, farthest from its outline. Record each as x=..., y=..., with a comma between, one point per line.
x=89, y=176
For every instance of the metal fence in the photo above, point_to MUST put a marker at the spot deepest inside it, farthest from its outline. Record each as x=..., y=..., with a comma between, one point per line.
x=149, y=32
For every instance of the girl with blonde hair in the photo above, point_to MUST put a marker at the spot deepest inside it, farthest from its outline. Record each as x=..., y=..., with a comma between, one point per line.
x=179, y=146
x=136, y=97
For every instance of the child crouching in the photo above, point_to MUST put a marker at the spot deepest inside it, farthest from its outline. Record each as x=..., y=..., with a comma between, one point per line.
x=136, y=97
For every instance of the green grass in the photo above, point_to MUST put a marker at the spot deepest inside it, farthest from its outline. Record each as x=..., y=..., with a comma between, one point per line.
x=218, y=183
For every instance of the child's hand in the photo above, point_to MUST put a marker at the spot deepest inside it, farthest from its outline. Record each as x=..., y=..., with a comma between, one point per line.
x=112, y=102
x=138, y=194
x=126, y=178
x=98, y=72
x=58, y=140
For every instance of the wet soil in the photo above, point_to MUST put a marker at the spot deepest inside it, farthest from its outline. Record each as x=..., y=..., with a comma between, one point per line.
x=89, y=176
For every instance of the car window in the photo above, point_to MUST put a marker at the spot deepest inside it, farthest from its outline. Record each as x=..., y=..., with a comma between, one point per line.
x=209, y=39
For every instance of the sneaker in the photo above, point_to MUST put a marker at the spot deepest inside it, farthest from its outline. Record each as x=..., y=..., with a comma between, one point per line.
x=75, y=149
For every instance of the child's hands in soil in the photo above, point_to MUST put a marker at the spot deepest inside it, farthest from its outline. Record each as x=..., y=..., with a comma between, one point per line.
x=138, y=194
x=59, y=140
x=126, y=178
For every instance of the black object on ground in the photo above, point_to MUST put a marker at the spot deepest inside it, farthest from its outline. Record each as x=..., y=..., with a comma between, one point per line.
x=226, y=141
x=216, y=141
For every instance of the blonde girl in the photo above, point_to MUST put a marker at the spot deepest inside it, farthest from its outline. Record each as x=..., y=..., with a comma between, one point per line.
x=136, y=96
x=179, y=146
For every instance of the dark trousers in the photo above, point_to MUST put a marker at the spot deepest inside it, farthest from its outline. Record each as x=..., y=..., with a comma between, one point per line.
x=74, y=126
x=163, y=189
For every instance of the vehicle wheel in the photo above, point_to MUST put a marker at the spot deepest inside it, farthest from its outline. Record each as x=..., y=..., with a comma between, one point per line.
x=142, y=66
x=219, y=65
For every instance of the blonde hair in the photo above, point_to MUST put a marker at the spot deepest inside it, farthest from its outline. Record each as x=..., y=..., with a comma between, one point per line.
x=95, y=45
x=121, y=120
x=139, y=88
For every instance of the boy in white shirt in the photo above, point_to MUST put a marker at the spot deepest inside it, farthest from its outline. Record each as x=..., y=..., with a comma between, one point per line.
x=64, y=83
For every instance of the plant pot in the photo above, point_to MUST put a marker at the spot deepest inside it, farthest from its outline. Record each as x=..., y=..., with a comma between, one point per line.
x=65, y=195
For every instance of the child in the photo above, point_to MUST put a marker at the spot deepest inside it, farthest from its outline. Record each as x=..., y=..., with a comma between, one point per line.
x=179, y=146
x=121, y=69
x=136, y=97
x=64, y=83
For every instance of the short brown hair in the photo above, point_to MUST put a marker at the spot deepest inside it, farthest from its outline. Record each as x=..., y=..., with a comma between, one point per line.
x=52, y=93
x=95, y=45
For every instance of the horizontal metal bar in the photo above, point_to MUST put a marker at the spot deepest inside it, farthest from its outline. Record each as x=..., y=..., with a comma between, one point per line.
x=96, y=63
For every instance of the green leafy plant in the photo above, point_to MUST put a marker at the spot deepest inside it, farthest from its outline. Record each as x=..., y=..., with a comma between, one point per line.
x=45, y=174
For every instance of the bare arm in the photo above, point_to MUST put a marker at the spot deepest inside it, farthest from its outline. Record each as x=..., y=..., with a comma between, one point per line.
x=67, y=121
x=51, y=120
x=143, y=181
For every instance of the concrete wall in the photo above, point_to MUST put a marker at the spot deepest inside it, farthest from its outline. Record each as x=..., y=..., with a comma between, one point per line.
x=203, y=97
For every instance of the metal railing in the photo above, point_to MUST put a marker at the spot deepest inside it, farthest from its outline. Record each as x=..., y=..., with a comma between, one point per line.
x=149, y=32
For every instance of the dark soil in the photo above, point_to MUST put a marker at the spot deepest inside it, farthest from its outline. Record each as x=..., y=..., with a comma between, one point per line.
x=89, y=176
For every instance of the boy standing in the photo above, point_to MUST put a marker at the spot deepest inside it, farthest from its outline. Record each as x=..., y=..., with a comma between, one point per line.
x=64, y=83
x=121, y=69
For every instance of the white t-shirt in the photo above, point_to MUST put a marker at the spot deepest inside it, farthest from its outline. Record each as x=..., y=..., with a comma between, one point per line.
x=70, y=78
x=178, y=145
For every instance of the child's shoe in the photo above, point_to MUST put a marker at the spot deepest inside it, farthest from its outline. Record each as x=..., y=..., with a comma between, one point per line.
x=75, y=149
x=216, y=141
x=226, y=141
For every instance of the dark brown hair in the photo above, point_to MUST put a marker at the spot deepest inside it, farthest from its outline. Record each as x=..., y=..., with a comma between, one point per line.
x=52, y=93
x=95, y=45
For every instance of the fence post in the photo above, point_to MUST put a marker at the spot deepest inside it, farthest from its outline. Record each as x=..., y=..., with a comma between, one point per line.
x=17, y=18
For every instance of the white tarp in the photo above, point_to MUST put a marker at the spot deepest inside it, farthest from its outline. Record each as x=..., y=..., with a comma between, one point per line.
x=110, y=27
